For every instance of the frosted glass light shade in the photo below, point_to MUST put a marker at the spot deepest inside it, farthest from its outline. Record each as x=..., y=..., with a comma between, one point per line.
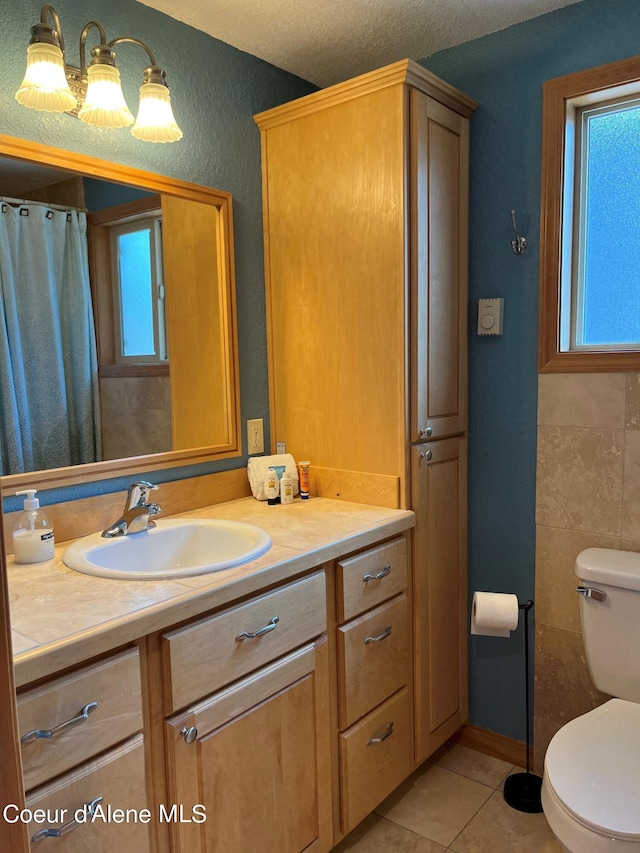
x=155, y=121
x=45, y=85
x=104, y=104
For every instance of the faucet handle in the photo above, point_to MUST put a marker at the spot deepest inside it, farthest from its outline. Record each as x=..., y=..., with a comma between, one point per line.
x=139, y=493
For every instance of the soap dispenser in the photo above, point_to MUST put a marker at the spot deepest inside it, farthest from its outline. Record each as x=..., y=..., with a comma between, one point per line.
x=33, y=540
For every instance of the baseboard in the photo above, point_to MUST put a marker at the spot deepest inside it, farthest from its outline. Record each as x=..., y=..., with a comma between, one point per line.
x=492, y=743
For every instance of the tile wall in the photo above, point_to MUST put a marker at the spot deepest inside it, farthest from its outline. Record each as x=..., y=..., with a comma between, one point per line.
x=587, y=496
x=136, y=416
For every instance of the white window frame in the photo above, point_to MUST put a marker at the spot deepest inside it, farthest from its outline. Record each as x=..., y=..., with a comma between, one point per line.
x=153, y=222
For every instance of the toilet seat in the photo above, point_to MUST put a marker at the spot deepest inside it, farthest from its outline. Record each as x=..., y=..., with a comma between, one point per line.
x=592, y=769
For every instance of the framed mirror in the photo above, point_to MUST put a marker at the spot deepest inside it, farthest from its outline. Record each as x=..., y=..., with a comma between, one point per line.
x=164, y=333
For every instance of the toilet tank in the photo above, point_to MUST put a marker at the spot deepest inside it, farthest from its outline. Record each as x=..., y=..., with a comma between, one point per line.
x=611, y=627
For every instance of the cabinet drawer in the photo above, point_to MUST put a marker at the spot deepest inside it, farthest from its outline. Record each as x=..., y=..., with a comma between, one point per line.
x=118, y=778
x=375, y=757
x=371, y=578
x=112, y=684
x=204, y=656
x=372, y=658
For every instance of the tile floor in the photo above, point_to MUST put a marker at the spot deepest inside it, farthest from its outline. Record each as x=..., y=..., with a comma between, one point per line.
x=453, y=802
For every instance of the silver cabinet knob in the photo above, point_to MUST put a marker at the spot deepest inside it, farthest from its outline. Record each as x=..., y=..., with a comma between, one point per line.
x=426, y=432
x=189, y=734
x=426, y=454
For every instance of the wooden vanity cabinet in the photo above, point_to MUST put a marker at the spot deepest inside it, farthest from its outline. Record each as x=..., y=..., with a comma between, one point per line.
x=82, y=743
x=255, y=755
x=374, y=677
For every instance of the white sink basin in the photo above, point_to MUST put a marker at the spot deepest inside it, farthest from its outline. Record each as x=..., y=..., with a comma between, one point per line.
x=175, y=548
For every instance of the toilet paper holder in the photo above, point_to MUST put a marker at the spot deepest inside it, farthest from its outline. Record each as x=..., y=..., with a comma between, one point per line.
x=522, y=790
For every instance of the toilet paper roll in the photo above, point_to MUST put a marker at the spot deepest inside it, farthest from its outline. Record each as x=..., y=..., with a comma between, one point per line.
x=494, y=614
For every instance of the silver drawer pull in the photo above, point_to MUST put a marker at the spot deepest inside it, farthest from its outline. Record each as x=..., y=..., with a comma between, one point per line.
x=87, y=810
x=427, y=431
x=47, y=734
x=426, y=454
x=251, y=635
x=590, y=592
x=386, y=633
x=381, y=574
x=387, y=733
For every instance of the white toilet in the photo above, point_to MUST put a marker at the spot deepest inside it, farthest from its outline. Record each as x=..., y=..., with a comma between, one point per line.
x=591, y=781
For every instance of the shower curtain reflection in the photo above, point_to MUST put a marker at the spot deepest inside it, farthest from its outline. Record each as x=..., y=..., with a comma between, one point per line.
x=49, y=403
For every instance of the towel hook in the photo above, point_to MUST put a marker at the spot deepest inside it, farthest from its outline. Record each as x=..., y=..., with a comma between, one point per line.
x=520, y=243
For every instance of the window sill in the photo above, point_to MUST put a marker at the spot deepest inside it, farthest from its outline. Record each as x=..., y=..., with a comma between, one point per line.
x=592, y=362
x=116, y=371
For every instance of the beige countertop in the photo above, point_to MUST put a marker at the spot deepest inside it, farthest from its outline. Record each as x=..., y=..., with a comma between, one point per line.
x=60, y=617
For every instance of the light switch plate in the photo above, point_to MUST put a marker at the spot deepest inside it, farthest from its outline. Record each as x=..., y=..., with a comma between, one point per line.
x=490, y=313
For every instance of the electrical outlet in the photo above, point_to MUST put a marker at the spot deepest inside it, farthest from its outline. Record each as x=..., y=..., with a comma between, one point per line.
x=255, y=436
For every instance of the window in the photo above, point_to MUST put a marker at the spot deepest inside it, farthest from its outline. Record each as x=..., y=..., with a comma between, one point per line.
x=590, y=254
x=138, y=291
x=127, y=283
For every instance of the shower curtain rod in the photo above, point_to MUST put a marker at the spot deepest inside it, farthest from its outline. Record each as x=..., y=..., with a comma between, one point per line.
x=13, y=201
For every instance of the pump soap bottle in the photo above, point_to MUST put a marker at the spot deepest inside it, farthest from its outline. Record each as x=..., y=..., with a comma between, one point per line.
x=33, y=540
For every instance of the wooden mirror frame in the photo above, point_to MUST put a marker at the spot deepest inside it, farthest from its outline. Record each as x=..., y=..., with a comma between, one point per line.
x=87, y=166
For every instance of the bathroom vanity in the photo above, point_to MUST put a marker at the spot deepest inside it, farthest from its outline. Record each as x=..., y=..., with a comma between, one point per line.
x=268, y=706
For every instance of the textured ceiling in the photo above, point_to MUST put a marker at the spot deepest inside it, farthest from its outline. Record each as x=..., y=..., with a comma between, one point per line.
x=327, y=41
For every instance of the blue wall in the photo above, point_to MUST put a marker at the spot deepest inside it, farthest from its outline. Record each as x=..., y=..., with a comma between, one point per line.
x=215, y=92
x=99, y=195
x=504, y=72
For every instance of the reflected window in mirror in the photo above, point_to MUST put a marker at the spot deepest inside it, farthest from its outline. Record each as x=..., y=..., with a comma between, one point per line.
x=139, y=292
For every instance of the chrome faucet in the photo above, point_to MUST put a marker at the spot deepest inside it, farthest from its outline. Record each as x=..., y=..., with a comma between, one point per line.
x=137, y=513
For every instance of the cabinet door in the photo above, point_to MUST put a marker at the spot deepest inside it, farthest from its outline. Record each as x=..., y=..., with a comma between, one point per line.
x=258, y=763
x=439, y=179
x=439, y=477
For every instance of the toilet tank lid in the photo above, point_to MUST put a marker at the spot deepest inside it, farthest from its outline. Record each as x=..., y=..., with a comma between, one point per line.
x=607, y=566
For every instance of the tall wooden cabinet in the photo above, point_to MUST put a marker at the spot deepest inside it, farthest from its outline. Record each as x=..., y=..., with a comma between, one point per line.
x=365, y=189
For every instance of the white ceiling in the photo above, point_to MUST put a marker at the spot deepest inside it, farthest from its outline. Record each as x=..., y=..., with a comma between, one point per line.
x=327, y=41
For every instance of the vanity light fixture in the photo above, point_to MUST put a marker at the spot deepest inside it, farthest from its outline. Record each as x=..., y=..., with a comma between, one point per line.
x=94, y=94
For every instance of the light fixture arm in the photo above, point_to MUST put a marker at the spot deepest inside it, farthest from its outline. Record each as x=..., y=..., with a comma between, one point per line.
x=43, y=32
x=152, y=73
x=103, y=43
x=139, y=42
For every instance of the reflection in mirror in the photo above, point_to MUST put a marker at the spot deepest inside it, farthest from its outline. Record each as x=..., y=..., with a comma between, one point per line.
x=117, y=310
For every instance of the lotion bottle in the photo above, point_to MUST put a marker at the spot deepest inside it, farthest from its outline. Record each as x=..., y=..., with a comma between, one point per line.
x=286, y=490
x=33, y=539
x=271, y=486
